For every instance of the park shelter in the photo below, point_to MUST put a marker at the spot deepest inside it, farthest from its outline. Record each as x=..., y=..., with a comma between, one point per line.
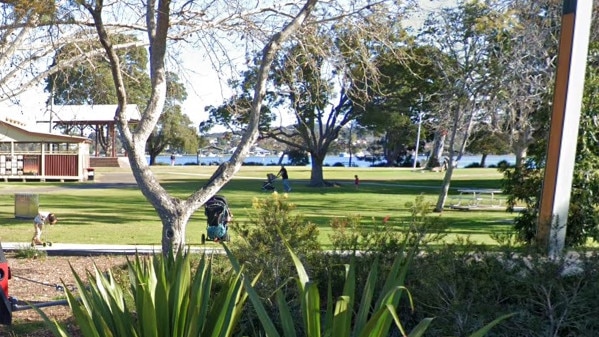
x=35, y=156
x=100, y=118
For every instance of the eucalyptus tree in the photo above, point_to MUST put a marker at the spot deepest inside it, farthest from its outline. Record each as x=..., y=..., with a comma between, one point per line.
x=526, y=52
x=322, y=81
x=463, y=34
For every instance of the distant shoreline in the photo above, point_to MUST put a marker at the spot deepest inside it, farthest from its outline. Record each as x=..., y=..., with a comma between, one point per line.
x=491, y=160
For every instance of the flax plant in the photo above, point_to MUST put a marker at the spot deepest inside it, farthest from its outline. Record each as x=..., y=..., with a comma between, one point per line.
x=169, y=301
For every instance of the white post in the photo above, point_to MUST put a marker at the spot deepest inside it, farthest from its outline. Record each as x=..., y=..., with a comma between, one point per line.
x=417, y=139
x=565, y=118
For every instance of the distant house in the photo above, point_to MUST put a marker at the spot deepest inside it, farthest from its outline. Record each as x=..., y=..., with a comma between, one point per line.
x=260, y=152
x=37, y=156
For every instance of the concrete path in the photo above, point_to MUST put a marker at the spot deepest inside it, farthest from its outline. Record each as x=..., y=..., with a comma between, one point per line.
x=75, y=249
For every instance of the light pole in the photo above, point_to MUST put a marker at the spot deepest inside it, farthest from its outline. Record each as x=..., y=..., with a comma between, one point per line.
x=417, y=139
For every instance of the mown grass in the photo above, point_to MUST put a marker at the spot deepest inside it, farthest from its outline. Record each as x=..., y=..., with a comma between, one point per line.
x=123, y=216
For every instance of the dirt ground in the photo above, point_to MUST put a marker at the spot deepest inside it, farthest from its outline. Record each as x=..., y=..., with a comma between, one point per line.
x=40, y=280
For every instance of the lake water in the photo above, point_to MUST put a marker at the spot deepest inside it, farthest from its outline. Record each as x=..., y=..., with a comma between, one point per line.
x=329, y=160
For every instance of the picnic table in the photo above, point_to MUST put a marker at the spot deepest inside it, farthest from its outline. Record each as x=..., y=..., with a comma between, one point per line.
x=476, y=198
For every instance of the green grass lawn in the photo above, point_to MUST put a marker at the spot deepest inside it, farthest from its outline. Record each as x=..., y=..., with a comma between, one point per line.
x=123, y=216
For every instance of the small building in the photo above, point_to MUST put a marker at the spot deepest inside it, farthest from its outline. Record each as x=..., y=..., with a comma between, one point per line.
x=36, y=156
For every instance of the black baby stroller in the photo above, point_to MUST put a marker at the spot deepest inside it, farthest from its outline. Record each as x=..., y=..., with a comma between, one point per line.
x=268, y=185
x=218, y=215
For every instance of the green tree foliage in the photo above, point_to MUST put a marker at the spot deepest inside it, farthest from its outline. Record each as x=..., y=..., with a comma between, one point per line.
x=91, y=82
x=173, y=129
x=407, y=88
x=485, y=142
x=23, y=8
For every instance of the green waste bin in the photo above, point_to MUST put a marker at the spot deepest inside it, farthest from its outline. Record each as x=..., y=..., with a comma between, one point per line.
x=26, y=205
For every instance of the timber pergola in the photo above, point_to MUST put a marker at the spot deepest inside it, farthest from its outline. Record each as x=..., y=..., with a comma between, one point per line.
x=99, y=118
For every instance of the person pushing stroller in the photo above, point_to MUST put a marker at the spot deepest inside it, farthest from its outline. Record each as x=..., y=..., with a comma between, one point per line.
x=285, y=178
x=41, y=219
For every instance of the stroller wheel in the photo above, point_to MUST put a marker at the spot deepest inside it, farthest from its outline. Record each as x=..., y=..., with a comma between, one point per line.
x=227, y=237
x=49, y=244
x=203, y=239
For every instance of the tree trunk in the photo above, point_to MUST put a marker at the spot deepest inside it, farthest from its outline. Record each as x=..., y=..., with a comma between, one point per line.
x=520, y=156
x=437, y=149
x=317, y=175
x=444, y=188
x=483, y=160
x=450, y=167
x=520, y=153
x=174, y=224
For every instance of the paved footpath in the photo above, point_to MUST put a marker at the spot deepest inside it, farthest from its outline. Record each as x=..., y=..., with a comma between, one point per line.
x=75, y=249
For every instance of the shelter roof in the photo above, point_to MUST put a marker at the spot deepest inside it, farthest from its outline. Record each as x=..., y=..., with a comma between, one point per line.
x=13, y=131
x=91, y=114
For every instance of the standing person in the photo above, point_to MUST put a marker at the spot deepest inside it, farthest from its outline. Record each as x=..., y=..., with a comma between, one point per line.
x=173, y=159
x=356, y=181
x=285, y=178
x=39, y=221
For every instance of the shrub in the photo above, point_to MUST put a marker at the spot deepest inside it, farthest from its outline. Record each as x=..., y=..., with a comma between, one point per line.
x=463, y=288
x=28, y=252
x=262, y=250
x=376, y=313
x=383, y=238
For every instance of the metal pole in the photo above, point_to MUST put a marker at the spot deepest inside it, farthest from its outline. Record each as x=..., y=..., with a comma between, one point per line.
x=417, y=139
x=20, y=307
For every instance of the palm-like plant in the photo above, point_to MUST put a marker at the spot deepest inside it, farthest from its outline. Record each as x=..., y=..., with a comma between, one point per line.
x=168, y=301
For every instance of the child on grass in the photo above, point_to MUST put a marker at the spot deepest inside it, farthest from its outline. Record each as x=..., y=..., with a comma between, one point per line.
x=39, y=221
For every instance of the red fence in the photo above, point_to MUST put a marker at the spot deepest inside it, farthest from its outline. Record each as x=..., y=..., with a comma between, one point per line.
x=61, y=165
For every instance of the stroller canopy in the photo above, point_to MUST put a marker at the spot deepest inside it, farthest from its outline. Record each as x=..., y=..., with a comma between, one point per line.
x=216, y=210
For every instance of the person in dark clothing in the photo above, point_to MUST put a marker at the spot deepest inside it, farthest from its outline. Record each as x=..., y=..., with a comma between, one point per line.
x=285, y=178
